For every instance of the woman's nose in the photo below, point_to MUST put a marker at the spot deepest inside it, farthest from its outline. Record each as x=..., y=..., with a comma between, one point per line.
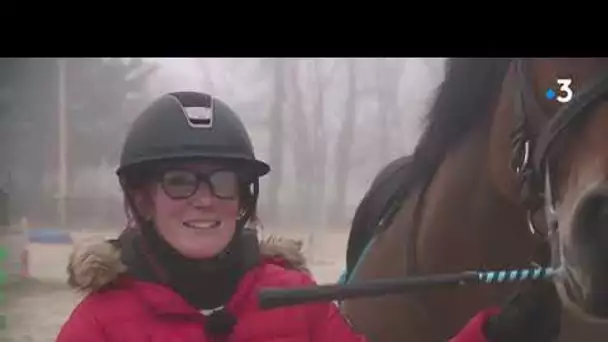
x=202, y=196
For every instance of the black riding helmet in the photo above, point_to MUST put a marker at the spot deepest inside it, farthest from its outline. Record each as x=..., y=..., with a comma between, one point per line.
x=186, y=125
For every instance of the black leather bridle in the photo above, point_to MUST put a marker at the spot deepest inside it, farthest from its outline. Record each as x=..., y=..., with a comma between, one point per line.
x=531, y=152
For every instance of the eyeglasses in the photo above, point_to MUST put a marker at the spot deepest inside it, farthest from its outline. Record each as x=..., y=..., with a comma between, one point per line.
x=181, y=184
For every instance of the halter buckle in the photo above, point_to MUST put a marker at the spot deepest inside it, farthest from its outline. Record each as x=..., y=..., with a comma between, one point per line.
x=526, y=159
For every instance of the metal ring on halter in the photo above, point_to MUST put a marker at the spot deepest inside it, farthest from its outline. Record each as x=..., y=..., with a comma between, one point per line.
x=526, y=160
x=532, y=226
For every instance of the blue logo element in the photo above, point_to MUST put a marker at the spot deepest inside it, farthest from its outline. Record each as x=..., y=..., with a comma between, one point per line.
x=550, y=94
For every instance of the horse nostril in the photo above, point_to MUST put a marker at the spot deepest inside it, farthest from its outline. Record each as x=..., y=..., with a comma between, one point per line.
x=592, y=220
x=585, y=252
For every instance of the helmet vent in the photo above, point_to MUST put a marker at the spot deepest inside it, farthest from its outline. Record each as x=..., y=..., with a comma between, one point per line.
x=199, y=117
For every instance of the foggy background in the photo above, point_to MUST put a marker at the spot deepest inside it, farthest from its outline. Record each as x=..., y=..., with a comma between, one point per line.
x=326, y=127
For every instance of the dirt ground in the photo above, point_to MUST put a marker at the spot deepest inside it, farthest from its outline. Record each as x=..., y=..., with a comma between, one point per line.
x=35, y=309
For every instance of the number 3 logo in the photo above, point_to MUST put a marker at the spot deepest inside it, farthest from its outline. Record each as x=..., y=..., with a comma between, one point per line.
x=565, y=91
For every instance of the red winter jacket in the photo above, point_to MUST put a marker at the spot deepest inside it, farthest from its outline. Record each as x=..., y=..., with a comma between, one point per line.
x=135, y=311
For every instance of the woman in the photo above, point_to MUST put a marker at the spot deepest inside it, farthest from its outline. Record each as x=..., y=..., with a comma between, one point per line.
x=188, y=268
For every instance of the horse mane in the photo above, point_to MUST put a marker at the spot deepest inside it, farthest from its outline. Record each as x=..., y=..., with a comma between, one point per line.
x=466, y=96
x=465, y=99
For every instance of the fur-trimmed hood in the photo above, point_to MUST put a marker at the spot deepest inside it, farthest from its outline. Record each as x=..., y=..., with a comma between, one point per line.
x=94, y=264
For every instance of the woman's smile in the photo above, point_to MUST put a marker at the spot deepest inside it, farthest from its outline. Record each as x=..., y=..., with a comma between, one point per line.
x=202, y=224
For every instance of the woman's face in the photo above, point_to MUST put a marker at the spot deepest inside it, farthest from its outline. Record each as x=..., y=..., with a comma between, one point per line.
x=195, y=207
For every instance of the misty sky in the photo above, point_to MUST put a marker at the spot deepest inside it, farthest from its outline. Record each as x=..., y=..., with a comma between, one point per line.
x=248, y=87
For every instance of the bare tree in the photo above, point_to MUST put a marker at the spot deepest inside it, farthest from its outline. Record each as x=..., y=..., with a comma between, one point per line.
x=103, y=95
x=388, y=75
x=301, y=145
x=276, y=125
x=343, y=146
x=320, y=141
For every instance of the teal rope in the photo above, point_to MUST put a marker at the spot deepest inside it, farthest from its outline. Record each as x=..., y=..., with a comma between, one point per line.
x=344, y=278
x=360, y=259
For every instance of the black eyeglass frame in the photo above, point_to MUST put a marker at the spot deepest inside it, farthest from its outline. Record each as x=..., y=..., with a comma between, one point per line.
x=200, y=177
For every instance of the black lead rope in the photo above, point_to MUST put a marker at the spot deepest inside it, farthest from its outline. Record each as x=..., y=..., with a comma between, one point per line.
x=277, y=297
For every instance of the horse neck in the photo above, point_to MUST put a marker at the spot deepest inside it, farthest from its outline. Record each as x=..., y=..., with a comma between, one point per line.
x=465, y=212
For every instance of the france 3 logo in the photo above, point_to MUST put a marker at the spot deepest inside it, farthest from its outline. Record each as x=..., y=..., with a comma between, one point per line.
x=564, y=92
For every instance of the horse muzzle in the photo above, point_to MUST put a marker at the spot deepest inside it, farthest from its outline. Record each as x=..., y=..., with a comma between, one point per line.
x=585, y=254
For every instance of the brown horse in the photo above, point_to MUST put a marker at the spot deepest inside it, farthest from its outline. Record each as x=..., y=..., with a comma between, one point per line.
x=375, y=202
x=505, y=174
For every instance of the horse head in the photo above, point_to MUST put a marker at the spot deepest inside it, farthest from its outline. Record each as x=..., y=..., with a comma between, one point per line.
x=557, y=147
